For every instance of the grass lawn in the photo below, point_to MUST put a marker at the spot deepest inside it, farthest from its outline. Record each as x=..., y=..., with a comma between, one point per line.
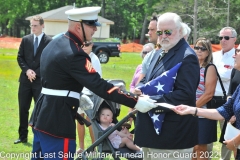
x=116, y=68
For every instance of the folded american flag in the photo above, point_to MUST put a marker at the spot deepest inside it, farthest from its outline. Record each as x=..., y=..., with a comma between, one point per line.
x=161, y=85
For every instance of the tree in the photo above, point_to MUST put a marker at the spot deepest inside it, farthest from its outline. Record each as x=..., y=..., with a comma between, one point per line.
x=195, y=21
x=130, y=16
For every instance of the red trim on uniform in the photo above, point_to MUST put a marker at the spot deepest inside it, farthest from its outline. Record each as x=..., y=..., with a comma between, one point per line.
x=89, y=67
x=65, y=148
x=50, y=134
x=73, y=42
x=119, y=92
x=112, y=89
x=127, y=96
x=76, y=36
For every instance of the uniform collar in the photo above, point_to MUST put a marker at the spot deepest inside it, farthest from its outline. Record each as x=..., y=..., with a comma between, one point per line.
x=74, y=38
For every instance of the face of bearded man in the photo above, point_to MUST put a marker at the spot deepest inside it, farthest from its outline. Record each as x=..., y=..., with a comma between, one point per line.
x=168, y=34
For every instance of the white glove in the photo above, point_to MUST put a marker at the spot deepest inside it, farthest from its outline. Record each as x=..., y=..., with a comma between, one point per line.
x=144, y=104
x=85, y=102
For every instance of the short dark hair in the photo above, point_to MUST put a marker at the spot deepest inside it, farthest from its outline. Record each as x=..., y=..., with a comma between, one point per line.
x=154, y=18
x=38, y=18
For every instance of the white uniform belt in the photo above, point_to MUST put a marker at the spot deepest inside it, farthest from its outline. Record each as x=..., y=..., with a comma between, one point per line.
x=65, y=93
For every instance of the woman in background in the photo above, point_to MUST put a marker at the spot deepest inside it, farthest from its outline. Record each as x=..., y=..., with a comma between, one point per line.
x=226, y=111
x=146, y=49
x=207, y=129
x=234, y=82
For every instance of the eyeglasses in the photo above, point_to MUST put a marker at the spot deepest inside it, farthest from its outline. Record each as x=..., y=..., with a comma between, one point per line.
x=87, y=44
x=168, y=32
x=237, y=51
x=31, y=25
x=225, y=37
x=145, y=52
x=201, y=48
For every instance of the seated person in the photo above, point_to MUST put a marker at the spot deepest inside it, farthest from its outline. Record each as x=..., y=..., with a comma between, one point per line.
x=118, y=138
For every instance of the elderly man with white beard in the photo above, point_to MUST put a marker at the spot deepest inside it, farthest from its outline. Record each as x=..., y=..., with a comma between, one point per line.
x=178, y=133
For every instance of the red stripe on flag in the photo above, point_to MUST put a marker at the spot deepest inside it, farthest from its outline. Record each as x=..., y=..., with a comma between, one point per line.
x=65, y=148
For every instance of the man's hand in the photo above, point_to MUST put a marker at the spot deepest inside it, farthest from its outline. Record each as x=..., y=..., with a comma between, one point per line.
x=137, y=91
x=31, y=75
x=145, y=104
x=85, y=102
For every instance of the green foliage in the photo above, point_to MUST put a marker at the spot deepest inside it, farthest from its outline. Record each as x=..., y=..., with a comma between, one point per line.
x=116, y=68
x=129, y=15
x=122, y=67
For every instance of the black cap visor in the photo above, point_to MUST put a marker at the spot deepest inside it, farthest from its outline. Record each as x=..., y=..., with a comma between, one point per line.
x=91, y=22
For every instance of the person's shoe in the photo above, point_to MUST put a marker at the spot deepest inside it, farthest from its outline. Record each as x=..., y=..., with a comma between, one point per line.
x=20, y=141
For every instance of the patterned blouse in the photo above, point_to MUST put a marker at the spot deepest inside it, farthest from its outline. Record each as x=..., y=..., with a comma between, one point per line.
x=201, y=86
x=232, y=107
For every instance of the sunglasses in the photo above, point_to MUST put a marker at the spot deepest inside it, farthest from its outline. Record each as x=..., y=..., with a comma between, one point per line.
x=145, y=52
x=201, y=48
x=237, y=51
x=167, y=32
x=87, y=44
x=225, y=37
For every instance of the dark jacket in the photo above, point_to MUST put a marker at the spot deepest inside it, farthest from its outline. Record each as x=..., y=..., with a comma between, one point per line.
x=178, y=132
x=65, y=66
x=27, y=60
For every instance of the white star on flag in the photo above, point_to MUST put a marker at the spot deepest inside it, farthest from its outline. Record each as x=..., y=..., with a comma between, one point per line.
x=148, y=83
x=155, y=117
x=175, y=76
x=164, y=84
x=159, y=87
x=164, y=74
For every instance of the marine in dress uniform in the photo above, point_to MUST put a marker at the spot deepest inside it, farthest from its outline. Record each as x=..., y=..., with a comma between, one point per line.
x=65, y=70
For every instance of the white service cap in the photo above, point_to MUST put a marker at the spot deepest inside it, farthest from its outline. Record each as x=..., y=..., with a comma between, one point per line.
x=88, y=15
